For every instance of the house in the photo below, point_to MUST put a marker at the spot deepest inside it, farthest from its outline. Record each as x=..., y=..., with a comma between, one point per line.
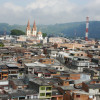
x=69, y=76
x=21, y=38
x=70, y=45
x=92, y=87
x=27, y=54
x=54, y=72
x=30, y=67
x=23, y=95
x=43, y=88
x=57, y=40
x=3, y=72
x=52, y=52
x=17, y=84
x=81, y=95
x=80, y=63
x=56, y=95
x=58, y=67
x=13, y=71
x=68, y=82
x=4, y=84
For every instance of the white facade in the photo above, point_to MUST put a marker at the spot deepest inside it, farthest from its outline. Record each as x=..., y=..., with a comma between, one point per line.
x=45, y=40
x=80, y=63
x=94, y=91
x=4, y=82
x=39, y=37
x=28, y=32
x=21, y=38
x=56, y=40
x=34, y=33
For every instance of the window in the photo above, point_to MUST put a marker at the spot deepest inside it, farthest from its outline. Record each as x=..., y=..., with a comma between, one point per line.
x=97, y=82
x=72, y=54
x=47, y=75
x=48, y=88
x=71, y=82
x=20, y=73
x=42, y=88
x=42, y=94
x=77, y=96
x=21, y=98
x=77, y=54
x=51, y=60
x=56, y=68
x=28, y=97
x=48, y=94
x=19, y=88
x=35, y=96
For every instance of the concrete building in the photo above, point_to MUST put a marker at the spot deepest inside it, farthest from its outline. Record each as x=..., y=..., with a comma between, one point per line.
x=57, y=40
x=43, y=88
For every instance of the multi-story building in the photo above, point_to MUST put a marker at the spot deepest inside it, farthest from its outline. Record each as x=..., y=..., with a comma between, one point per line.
x=43, y=88
x=4, y=83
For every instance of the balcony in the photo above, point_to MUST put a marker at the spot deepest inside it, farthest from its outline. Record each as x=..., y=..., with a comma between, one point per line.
x=48, y=95
x=5, y=75
x=48, y=88
x=13, y=72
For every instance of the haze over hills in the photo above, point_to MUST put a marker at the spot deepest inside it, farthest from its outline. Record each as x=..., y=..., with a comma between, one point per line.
x=68, y=29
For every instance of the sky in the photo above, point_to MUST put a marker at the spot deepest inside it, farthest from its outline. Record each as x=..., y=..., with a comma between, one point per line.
x=48, y=11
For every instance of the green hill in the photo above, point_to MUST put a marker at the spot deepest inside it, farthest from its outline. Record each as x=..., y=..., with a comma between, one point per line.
x=66, y=29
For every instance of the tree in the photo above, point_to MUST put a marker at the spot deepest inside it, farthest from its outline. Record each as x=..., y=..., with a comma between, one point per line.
x=17, y=32
x=44, y=34
x=1, y=44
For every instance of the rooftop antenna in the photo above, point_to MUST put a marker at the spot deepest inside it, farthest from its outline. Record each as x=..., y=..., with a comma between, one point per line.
x=87, y=26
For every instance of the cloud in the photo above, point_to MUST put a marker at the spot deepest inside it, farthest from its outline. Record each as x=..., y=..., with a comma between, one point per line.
x=49, y=12
x=51, y=6
x=52, y=11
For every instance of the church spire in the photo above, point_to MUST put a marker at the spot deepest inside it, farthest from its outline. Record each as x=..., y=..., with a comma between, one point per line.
x=28, y=29
x=28, y=25
x=34, y=26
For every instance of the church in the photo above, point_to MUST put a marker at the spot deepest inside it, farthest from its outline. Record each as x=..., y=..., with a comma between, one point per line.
x=33, y=33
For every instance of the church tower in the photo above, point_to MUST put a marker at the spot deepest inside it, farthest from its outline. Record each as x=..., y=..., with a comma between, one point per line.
x=39, y=35
x=34, y=30
x=28, y=29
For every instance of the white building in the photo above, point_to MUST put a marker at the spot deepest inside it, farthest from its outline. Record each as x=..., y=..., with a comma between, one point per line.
x=33, y=33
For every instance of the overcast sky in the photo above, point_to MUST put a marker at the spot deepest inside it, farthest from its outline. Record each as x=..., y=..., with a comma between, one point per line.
x=48, y=11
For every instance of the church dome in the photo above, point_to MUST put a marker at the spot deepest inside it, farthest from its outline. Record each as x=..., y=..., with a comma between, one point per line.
x=39, y=33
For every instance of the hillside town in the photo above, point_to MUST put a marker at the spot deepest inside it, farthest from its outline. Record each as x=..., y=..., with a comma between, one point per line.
x=33, y=67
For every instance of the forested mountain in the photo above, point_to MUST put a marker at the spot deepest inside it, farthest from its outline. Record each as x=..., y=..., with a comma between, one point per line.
x=64, y=29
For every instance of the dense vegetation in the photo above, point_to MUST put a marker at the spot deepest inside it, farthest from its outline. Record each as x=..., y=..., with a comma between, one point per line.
x=1, y=44
x=17, y=32
x=44, y=34
x=66, y=29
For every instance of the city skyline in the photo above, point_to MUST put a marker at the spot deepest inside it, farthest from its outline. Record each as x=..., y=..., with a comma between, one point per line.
x=48, y=12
